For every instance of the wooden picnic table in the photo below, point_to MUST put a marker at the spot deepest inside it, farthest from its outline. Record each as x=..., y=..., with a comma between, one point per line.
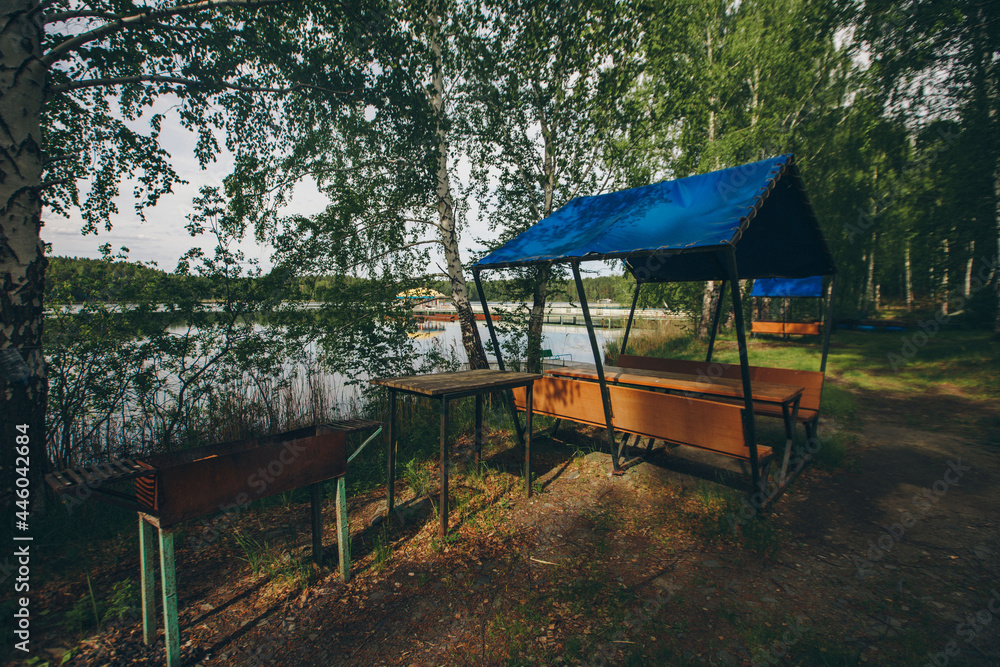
x=704, y=386
x=445, y=387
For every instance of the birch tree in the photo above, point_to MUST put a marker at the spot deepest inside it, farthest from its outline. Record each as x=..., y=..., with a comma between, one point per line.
x=545, y=104
x=75, y=78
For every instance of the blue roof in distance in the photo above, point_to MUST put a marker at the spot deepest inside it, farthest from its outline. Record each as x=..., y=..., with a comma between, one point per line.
x=702, y=211
x=788, y=287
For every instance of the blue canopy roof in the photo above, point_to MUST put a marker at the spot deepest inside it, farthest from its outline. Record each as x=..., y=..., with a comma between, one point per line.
x=788, y=287
x=662, y=230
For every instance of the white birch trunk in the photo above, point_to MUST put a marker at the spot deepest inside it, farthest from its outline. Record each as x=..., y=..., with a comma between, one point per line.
x=446, y=210
x=909, y=277
x=23, y=386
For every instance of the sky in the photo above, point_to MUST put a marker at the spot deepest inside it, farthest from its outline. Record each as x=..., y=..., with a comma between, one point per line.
x=162, y=238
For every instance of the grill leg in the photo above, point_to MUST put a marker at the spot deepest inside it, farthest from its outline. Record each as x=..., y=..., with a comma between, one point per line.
x=170, y=625
x=147, y=541
x=343, y=530
x=316, y=496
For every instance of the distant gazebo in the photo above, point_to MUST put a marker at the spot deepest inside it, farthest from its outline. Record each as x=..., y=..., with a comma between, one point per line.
x=423, y=297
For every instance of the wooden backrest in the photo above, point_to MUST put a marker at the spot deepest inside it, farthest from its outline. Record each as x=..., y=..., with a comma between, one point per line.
x=794, y=328
x=688, y=421
x=810, y=381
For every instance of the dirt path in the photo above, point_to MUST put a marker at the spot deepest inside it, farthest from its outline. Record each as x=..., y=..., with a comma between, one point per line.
x=890, y=560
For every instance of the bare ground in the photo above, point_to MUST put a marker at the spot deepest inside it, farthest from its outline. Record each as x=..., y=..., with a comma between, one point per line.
x=890, y=559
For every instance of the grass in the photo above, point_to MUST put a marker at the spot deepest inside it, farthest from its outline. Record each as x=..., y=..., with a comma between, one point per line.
x=277, y=562
x=417, y=478
x=834, y=452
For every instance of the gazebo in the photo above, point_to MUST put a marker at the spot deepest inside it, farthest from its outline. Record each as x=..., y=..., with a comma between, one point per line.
x=788, y=288
x=747, y=222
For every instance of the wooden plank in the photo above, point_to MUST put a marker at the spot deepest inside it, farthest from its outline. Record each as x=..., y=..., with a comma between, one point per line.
x=77, y=480
x=785, y=328
x=810, y=381
x=698, y=384
x=58, y=483
x=695, y=422
x=440, y=384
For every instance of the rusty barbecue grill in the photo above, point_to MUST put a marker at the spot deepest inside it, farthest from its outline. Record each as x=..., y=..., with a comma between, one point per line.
x=176, y=486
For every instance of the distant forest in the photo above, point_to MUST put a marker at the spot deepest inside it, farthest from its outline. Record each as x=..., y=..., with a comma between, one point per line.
x=81, y=279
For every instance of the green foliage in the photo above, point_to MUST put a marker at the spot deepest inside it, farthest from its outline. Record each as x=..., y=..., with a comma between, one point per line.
x=255, y=552
x=383, y=548
x=834, y=452
x=142, y=372
x=417, y=477
x=837, y=402
x=123, y=602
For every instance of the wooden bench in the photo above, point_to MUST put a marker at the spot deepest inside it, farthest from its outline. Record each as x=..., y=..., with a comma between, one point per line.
x=810, y=381
x=711, y=425
x=786, y=328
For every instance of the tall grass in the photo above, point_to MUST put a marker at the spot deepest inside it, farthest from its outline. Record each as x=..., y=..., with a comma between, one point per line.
x=668, y=339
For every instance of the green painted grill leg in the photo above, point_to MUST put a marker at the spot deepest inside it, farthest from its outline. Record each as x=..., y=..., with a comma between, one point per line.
x=167, y=575
x=343, y=531
x=147, y=540
x=316, y=496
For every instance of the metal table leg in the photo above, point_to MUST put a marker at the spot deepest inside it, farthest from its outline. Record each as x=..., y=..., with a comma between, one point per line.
x=527, y=437
x=479, y=431
x=391, y=454
x=791, y=417
x=444, y=466
x=316, y=498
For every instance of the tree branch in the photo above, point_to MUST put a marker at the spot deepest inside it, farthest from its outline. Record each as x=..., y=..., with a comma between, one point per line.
x=81, y=14
x=424, y=222
x=146, y=19
x=156, y=78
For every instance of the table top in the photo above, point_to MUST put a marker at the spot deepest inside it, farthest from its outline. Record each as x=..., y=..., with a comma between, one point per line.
x=462, y=382
x=766, y=392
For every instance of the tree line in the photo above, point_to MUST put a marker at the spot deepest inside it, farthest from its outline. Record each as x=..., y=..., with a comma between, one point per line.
x=79, y=280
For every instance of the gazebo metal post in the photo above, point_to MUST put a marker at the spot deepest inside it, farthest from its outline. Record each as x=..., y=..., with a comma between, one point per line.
x=741, y=337
x=605, y=394
x=489, y=320
x=631, y=313
x=715, y=322
x=508, y=396
x=828, y=327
